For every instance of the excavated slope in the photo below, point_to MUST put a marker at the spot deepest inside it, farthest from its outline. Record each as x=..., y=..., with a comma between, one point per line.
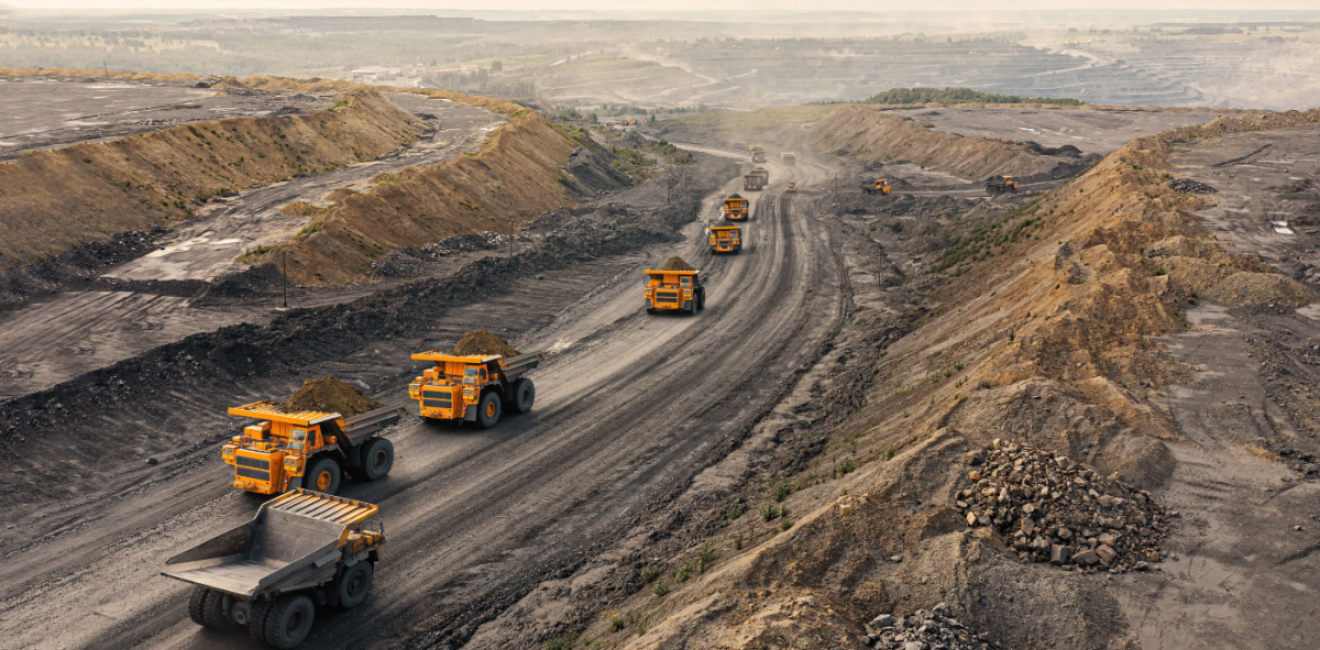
x=1044, y=336
x=869, y=133
x=512, y=180
x=53, y=200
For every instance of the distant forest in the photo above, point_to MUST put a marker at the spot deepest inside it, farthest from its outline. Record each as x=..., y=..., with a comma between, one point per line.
x=960, y=96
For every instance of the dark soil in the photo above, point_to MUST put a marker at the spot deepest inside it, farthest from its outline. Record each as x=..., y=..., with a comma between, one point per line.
x=483, y=342
x=18, y=285
x=330, y=395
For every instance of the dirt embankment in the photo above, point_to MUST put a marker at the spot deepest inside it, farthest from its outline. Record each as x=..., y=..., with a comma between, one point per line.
x=869, y=133
x=1044, y=337
x=53, y=200
x=517, y=175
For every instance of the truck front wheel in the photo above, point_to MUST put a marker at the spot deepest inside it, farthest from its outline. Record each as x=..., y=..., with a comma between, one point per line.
x=323, y=476
x=355, y=584
x=377, y=459
x=290, y=621
x=489, y=410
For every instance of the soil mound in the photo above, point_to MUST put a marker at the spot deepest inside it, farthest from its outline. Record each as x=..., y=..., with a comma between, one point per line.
x=301, y=209
x=676, y=263
x=925, y=629
x=331, y=395
x=483, y=342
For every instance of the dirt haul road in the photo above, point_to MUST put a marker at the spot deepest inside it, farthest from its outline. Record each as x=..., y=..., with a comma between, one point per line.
x=631, y=407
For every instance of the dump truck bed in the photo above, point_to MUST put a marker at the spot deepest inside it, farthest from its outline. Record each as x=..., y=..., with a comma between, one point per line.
x=292, y=543
x=354, y=428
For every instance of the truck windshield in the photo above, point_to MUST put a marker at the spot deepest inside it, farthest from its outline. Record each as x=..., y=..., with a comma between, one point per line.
x=470, y=376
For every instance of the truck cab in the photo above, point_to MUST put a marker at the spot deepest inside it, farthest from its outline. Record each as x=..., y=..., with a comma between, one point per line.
x=726, y=239
x=285, y=450
x=736, y=208
x=679, y=291
x=473, y=388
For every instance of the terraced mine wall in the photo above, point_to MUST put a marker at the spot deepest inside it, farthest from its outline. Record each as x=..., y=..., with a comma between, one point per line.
x=517, y=175
x=1044, y=335
x=55, y=200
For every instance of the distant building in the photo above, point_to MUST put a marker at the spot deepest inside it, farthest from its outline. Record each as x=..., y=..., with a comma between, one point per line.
x=372, y=73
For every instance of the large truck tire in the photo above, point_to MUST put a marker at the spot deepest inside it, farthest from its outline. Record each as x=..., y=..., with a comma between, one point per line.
x=354, y=584
x=701, y=298
x=290, y=621
x=196, y=603
x=524, y=395
x=258, y=612
x=323, y=476
x=377, y=459
x=490, y=409
x=213, y=613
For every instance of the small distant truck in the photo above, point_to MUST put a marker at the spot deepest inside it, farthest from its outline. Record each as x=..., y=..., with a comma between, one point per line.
x=881, y=186
x=474, y=388
x=756, y=180
x=791, y=187
x=758, y=153
x=726, y=239
x=788, y=158
x=679, y=291
x=301, y=551
x=1001, y=185
x=736, y=208
x=312, y=449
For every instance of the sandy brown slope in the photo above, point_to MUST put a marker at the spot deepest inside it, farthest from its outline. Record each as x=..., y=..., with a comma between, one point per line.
x=512, y=180
x=1045, y=336
x=52, y=200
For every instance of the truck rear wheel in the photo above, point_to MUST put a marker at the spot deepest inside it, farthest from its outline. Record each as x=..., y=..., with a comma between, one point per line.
x=377, y=459
x=323, y=476
x=354, y=585
x=524, y=395
x=258, y=612
x=290, y=621
x=213, y=613
x=196, y=603
x=489, y=410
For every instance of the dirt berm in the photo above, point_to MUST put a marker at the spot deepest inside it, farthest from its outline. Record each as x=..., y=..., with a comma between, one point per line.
x=520, y=173
x=1043, y=337
x=331, y=396
x=483, y=342
x=54, y=200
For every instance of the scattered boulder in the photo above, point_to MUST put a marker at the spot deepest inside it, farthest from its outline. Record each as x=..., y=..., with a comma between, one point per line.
x=397, y=264
x=1051, y=509
x=924, y=630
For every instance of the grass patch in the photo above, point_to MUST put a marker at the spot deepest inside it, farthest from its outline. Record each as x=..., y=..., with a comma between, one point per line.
x=960, y=96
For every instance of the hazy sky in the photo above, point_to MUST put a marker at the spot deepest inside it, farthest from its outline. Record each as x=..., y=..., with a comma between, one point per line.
x=676, y=5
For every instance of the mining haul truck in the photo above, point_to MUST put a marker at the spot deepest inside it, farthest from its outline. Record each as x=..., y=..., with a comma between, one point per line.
x=791, y=187
x=301, y=551
x=879, y=187
x=474, y=387
x=674, y=291
x=788, y=158
x=759, y=156
x=725, y=239
x=736, y=208
x=1001, y=184
x=311, y=449
x=756, y=180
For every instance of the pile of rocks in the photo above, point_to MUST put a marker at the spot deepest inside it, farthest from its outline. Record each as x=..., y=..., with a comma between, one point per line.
x=465, y=243
x=398, y=264
x=1053, y=510
x=924, y=630
x=1189, y=186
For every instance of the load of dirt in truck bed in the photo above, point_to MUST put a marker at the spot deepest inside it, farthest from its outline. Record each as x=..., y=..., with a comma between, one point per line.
x=483, y=342
x=332, y=396
x=676, y=263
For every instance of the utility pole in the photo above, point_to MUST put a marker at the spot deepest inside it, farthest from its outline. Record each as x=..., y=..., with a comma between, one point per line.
x=286, y=279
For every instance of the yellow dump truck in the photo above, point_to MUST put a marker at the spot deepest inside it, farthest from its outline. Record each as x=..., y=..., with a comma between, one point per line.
x=759, y=155
x=788, y=158
x=756, y=180
x=726, y=239
x=736, y=208
x=791, y=187
x=881, y=186
x=674, y=291
x=474, y=387
x=1001, y=184
x=301, y=551
x=291, y=449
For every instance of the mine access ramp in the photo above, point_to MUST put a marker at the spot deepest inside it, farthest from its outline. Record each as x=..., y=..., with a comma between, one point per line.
x=301, y=550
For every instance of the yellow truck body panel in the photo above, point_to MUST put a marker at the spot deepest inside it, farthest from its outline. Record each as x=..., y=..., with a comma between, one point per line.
x=673, y=291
